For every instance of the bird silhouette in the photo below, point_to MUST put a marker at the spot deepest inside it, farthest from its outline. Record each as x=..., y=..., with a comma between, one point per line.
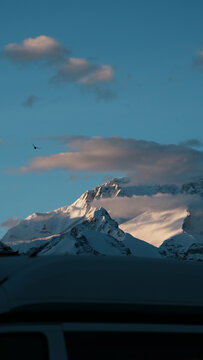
x=35, y=147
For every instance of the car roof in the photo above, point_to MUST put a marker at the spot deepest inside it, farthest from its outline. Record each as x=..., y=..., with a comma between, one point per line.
x=99, y=280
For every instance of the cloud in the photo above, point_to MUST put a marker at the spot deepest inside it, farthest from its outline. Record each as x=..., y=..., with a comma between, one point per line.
x=81, y=71
x=91, y=77
x=143, y=161
x=11, y=222
x=125, y=207
x=35, y=49
x=73, y=69
x=30, y=101
x=104, y=73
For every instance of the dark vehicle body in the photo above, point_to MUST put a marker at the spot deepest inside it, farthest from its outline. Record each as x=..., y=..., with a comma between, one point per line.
x=71, y=307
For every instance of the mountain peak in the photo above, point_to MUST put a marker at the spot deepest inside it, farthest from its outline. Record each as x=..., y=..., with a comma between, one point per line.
x=100, y=220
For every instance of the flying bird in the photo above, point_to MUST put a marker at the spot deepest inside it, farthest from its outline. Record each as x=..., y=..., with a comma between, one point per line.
x=35, y=147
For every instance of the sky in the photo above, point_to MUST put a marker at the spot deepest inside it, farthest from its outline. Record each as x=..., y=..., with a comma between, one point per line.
x=103, y=89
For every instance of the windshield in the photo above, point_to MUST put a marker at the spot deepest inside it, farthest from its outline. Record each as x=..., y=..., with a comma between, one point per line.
x=101, y=128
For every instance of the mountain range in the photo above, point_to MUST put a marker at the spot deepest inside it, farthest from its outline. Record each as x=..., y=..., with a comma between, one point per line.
x=117, y=218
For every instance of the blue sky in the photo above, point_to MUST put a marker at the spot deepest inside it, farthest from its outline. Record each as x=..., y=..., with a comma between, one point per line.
x=155, y=87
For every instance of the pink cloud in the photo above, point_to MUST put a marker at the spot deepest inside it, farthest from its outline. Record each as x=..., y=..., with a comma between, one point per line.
x=80, y=70
x=35, y=49
x=104, y=73
x=142, y=160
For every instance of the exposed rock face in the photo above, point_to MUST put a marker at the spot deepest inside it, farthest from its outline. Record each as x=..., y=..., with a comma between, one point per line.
x=6, y=250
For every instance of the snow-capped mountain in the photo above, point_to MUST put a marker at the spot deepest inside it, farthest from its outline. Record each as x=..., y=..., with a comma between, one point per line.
x=188, y=245
x=95, y=233
x=177, y=227
x=98, y=234
x=183, y=247
x=117, y=218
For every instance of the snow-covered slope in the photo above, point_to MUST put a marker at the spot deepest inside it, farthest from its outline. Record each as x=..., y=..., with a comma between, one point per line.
x=156, y=226
x=188, y=245
x=43, y=225
x=183, y=247
x=95, y=234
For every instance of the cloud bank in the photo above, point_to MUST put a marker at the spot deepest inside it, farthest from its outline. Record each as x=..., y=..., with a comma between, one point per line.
x=143, y=161
x=125, y=207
